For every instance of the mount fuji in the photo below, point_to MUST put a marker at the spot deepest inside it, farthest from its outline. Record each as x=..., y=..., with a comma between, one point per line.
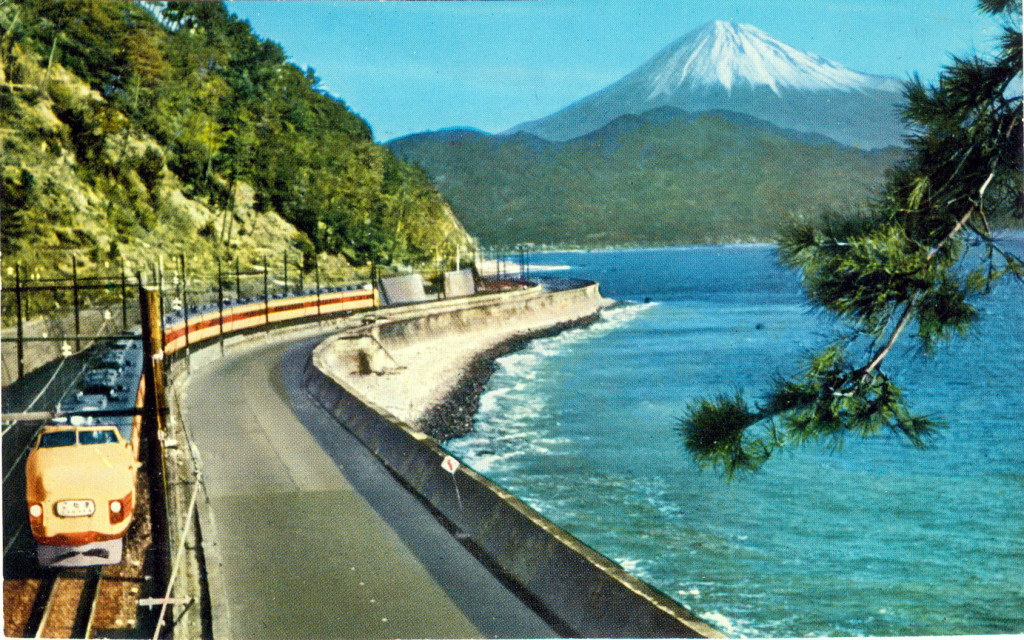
x=737, y=67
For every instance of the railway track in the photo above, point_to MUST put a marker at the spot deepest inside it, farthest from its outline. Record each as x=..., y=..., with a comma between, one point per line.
x=81, y=602
x=65, y=605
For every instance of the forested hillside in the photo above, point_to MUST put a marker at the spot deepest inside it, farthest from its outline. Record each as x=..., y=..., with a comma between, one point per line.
x=125, y=138
x=663, y=177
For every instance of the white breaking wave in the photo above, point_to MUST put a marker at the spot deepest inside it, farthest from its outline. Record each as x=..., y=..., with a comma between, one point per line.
x=726, y=54
x=725, y=624
x=508, y=421
x=522, y=365
x=633, y=567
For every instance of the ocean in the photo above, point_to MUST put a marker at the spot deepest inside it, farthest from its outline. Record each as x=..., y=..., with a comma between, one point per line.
x=874, y=538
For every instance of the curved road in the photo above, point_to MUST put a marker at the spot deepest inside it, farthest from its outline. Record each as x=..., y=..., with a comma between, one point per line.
x=311, y=536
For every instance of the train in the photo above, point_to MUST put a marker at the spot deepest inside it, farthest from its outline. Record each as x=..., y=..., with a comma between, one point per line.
x=81, y=471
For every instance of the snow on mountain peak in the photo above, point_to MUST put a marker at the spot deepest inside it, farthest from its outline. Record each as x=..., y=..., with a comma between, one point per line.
x=727, y=54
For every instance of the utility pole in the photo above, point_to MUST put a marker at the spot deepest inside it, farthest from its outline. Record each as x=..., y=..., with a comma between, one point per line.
x=154, y=417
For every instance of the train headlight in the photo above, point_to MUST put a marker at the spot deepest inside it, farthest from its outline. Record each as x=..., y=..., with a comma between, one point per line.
x=35, y=510
x=120, y=509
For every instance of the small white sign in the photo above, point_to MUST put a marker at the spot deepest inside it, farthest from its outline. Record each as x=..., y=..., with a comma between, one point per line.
x=450, y=464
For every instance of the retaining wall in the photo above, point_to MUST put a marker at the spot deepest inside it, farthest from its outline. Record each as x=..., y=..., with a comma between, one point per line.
x=577, y=586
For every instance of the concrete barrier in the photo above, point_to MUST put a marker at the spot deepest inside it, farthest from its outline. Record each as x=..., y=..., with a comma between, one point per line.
x=206, y=587
x=573, y=584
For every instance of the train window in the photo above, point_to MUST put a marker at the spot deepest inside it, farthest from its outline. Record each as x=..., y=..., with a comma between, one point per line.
x=84, y=402
x=57, y=439
x=95, y=389
x=97, y=437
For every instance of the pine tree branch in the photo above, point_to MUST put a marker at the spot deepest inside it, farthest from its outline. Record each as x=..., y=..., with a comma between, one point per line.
x=905, y=317
x=884, y=351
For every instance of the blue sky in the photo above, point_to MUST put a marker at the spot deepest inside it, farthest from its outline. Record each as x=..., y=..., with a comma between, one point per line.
x=415, y=66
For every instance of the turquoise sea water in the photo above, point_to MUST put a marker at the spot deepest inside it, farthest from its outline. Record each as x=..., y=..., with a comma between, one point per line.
x=878, y=538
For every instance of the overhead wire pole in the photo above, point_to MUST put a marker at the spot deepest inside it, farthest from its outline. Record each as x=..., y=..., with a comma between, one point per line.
x=21, y=328
x=220, y=305
x=184, y=309
x=373, y=281
x=316, y=265
x=155, y=408
x=160, y=285
x=124, y=298
x=74, y=281
x=266, y=296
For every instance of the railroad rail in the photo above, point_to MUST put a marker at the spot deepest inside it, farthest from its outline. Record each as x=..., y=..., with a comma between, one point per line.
x=38, y=602
x=65, y=605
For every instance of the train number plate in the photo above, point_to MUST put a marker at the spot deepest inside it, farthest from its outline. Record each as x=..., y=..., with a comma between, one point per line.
x=75, y=508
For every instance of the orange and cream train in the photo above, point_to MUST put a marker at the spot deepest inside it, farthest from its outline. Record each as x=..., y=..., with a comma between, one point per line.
x=80, y=473
x=81, y=470
x=208, y=325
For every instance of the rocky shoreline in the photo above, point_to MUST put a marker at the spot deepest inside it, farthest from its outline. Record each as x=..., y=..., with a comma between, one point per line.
x=453, y=416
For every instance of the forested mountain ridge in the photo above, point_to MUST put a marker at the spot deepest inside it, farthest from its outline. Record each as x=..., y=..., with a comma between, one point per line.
x=659, y=178
x=123, y=138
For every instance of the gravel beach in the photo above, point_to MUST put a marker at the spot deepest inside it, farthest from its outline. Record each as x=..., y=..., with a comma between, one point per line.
x=453, y=415
x=434, y=383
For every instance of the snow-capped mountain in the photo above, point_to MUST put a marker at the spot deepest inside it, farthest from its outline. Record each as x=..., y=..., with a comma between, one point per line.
x=737, y=67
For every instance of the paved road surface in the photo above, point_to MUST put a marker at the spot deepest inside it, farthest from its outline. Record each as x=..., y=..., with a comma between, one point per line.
x=316, y=538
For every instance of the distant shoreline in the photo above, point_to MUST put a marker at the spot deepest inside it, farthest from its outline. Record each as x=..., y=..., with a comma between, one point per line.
x=511, y=251
x=1011, y=234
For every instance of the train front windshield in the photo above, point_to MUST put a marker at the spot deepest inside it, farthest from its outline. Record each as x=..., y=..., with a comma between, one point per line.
x=68, y=438
x=57, y=439
x=97, y=437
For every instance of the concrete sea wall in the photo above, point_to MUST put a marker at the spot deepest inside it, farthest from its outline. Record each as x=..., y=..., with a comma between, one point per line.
x=574, y=585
